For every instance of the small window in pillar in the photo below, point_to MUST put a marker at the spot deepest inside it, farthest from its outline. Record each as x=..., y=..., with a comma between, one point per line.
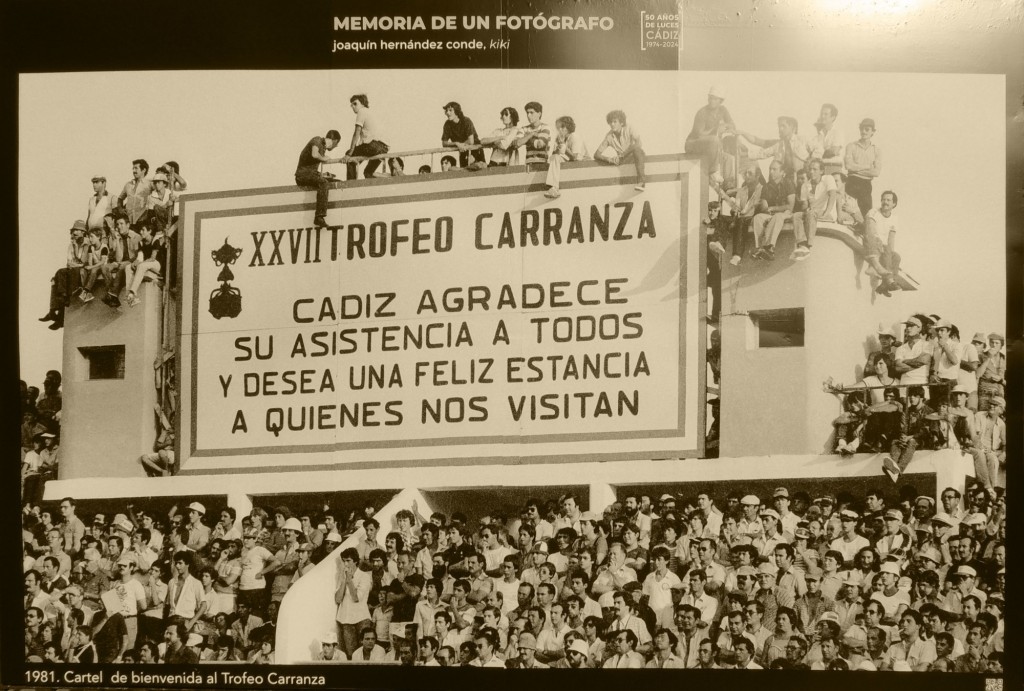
x=105, y=362
x=781, y=328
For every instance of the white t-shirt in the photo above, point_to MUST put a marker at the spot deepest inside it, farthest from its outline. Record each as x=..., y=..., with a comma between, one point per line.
x=943, y=367
x=369, y=130
x=883, y=225
x=659, y=591
x=918, y=376
x=818, y=197
x=969, y=379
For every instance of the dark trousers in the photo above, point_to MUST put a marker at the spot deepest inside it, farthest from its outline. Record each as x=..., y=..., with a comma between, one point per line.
x=637, y=155
x=715, y=284
x=63, y=285
x=374, y=148
x=740, y=226
x=317, y=181
x=903, y=451
x=860, y=189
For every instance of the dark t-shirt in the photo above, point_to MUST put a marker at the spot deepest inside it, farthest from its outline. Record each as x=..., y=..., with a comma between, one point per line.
x=403, y=608
x=778, y=194
x=460, y=132
x=109, y=638
x=453, y=555
x=308, y=164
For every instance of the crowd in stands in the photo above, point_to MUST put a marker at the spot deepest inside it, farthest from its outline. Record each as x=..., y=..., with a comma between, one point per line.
x=885, y=582
x=122, y=242
x=40, y=434
x=929, y=391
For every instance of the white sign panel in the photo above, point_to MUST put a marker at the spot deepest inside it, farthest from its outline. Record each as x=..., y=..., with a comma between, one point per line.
x=428, y=318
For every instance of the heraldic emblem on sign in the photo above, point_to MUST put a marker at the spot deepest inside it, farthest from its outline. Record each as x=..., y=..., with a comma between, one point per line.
x=225, y=301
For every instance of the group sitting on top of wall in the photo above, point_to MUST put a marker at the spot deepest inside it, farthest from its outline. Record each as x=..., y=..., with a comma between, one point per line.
x=545, y=148
x=122, y=242
x=931, y=391
x=810, y=181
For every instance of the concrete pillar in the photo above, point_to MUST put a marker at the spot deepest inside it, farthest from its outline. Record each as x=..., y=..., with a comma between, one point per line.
x=601, y=495
x=952, y=469
x=241, y=503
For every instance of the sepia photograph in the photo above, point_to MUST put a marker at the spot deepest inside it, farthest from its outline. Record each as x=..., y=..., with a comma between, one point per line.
x=330, y=371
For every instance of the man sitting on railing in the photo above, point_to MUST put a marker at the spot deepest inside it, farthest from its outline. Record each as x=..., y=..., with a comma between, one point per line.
x=915, y=434
x=536, y=137
x=850, y=424
x=307, y=172
x=366, y=138
x=881, y=255
x=778, y=198
x=624, y=143
x=817, y=203
x=460, y=131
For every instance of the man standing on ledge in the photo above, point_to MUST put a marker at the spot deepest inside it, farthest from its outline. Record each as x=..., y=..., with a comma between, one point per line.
x=308, y=175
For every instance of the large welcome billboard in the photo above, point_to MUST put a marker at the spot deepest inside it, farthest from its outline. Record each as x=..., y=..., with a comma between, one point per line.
x=457, y=318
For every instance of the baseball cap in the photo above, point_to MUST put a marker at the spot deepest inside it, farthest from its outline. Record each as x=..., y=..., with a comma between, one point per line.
x=975, y=519
x=590, y=516
x=931, y=553
x=746, y=571
x=540, y=547
x=894, y=514
x=197, y=507
x=292, y=524
x=965, y=570
x=944, y=518
x=868, y=122
x=750, y=500
x=781, y=492
x=99, y=178
x=333, y=536
x=802, y=534
x=849, y=513
x=771, y=512
x=666, y=497
x=913, y=320
x=330, y=637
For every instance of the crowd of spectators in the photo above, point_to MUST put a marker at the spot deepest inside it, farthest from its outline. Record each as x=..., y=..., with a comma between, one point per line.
x=928, y=391
x=122, y=242
x=782, y=582
x=40, y=434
